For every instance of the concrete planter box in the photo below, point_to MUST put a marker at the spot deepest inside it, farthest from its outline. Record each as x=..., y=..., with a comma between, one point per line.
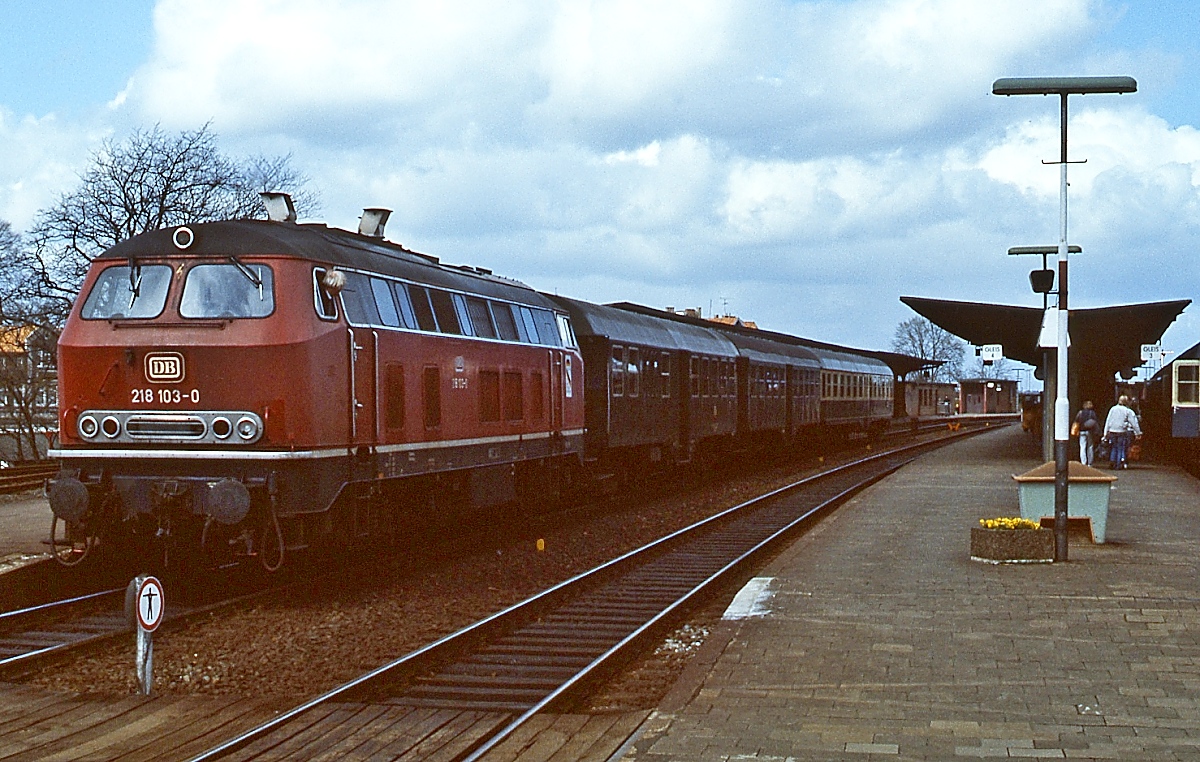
x=1087, y=495
x=1012, y=546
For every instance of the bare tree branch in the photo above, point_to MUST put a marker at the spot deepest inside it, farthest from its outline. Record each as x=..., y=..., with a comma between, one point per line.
x=152, y=180
x=919, y=337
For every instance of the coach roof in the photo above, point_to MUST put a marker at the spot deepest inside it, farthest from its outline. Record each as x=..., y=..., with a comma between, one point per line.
x=321, y=245
x=624, y=327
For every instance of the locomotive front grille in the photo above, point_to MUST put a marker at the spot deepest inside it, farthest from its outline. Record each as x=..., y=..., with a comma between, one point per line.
x=165, y=426
x=225, y=427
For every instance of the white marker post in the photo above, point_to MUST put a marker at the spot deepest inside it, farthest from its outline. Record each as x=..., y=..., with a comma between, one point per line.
x=145, y=603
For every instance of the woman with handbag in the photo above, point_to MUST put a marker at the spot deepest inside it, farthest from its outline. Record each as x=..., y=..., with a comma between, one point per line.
x=1086, y=426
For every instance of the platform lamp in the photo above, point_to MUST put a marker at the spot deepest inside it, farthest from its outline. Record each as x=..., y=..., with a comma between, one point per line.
x=1062, y=87
x=1042, y=282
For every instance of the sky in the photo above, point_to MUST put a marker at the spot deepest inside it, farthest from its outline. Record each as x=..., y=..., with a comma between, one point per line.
x=799, y=164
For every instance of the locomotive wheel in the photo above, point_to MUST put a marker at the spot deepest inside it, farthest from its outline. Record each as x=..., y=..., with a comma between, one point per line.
x=70, y=549
x=270, y=545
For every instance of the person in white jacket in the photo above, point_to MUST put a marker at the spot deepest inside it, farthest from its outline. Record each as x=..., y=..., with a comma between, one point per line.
x=1120, y=426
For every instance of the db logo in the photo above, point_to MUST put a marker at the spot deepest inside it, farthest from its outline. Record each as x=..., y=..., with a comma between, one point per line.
x=164, y=367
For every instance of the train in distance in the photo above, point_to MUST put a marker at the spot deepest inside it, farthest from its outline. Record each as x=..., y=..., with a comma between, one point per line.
x=243, y=389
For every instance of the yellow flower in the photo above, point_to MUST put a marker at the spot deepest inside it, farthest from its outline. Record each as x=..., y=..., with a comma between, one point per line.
x=1009, y=522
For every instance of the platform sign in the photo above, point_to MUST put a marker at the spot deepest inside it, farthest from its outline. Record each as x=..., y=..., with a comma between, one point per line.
x=150, y=604
x=992, y=352
x=1152, y=352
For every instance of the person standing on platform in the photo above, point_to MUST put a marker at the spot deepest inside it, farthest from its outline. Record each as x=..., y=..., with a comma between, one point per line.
x=1088, y=424
x=1121, y=424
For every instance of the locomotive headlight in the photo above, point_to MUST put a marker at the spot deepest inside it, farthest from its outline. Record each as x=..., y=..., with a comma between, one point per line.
x=247, y=428
x=88, y=426
x=110, y=426
x=221, y=427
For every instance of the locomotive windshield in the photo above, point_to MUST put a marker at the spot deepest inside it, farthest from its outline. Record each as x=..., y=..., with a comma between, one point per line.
x=233, y=290
x=123, y=292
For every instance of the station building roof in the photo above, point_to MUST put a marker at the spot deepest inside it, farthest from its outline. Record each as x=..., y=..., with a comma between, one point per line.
x=1104, y=340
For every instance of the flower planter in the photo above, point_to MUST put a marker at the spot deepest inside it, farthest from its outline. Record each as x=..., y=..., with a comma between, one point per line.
x=1087, y=495
x=1012, y=546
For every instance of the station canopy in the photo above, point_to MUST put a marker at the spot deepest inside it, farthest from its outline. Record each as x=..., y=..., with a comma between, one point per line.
x=1104, y=340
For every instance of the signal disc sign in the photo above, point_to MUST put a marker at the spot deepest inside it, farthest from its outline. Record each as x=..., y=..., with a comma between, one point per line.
x=150, y=604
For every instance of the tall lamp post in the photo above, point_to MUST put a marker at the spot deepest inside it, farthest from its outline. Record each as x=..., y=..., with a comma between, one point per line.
x=1042, y=282
x=1062, y=87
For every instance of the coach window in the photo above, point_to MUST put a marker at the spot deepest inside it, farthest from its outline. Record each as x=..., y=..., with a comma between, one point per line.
x=530, y=324
x=422, y=309
x=1187, y=383
x=407, y=317
x=665, y=371
x=120, y=293
x=444, y=310
x=565, y=332
x=432, y=382
x=618, y=370
x=326, y=303
x=358, y=302
x=481, y=318
x=633, y=371
x=546, y=328
x=386, y=303
x=506, y=327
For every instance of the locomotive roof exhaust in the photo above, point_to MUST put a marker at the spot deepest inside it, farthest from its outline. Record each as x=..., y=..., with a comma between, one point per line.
x=373, y=220
x=279, y=206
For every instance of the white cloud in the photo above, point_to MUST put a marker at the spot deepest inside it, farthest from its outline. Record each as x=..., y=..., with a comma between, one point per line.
x=801, y=159
x=39, y=160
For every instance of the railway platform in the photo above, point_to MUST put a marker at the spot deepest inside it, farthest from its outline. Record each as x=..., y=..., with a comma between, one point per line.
x=879, y=638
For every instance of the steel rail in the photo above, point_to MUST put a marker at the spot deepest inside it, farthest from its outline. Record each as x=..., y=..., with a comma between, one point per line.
x=25, y=477
x=22, y=645
x=437, y=651
x=55, y=604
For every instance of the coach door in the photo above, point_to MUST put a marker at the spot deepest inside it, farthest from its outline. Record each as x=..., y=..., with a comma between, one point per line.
x=364, y=386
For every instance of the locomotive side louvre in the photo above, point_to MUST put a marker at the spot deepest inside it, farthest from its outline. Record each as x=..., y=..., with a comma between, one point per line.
x=277, y=405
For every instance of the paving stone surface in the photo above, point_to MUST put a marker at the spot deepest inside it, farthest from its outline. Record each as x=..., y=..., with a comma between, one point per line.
x=885, y=641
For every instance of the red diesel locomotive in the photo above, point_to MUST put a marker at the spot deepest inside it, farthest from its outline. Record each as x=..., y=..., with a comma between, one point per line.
x=245, y=388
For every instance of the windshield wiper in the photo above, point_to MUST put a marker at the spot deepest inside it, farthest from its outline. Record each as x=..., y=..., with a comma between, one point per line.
x=251, y=276
x=135, y=281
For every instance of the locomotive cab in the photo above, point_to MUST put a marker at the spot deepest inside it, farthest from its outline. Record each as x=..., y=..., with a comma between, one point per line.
x=172, y=359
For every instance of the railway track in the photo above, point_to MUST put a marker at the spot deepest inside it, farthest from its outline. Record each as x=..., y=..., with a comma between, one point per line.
x=27, y=476
x=547, y=652
x=31, y=634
